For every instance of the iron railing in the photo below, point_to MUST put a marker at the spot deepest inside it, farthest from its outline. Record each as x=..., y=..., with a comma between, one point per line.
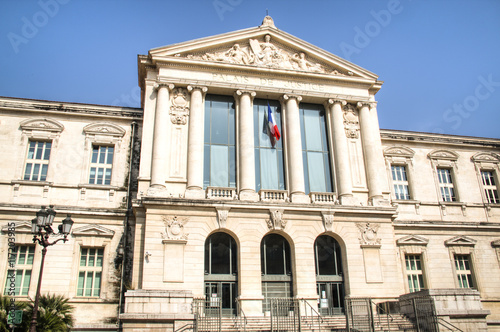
x=285, y=315
x=315, y=315
x=207, y=315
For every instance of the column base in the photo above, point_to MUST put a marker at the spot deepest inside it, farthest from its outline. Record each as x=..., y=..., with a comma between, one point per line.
x=249, y=196
x=157, y=191
x=194, y=193
x=300, y=198
x=348, y=200
x=378, y=201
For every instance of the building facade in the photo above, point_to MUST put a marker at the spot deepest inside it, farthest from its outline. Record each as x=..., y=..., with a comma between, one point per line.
x=196, y=195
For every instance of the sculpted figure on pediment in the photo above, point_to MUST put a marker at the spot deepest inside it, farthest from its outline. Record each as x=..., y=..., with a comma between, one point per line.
x=267, y=54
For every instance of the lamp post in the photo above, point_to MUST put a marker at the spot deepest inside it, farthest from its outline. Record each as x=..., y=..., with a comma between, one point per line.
x=41, y=228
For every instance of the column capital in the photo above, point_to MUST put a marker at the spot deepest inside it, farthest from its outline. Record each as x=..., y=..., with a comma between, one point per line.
x=287, y=97
x=191, y=88
x=336, y=101
x=369, y=104
x=242, y=92
x=159, y=85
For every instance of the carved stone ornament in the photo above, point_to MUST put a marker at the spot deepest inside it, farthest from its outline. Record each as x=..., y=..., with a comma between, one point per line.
x=368, y=233
x=276, y=222
x=179, y=111
x=41, y=124
x=265, y=53
x=222, y=214
x=328, y=220
x=485, y=157
x=103, y=128
x=351, y=122
x=443, y=155
x=399, y=151
x=174, y=229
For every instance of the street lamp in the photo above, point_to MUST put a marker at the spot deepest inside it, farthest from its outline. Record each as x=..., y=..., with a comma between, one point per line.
x=41, y=228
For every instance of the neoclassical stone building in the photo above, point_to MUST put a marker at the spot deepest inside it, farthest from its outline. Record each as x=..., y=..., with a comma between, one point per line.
x=192, y=197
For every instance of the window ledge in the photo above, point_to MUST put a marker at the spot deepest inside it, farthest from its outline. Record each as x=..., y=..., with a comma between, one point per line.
x=453, y=203
x=406, y=201
x=99, y=186
x=32, y=183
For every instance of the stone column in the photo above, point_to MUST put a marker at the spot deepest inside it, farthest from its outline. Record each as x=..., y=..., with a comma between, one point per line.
x=246, y=152
x=195, y=143
x=161, y=136
x=341, y=153
x=294, y=150
x=372, y=150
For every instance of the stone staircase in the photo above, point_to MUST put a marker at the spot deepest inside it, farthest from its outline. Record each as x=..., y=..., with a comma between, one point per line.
x=394, y=322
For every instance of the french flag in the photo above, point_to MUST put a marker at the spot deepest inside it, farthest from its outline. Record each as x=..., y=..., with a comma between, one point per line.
x=273, y=127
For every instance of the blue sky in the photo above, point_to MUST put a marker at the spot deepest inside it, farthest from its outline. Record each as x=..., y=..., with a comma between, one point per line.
x=440, y=59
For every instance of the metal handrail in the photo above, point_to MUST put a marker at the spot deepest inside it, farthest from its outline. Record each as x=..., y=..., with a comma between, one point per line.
x=241, y=314
x=377, y=306
x=444, y=323
x=318, y=315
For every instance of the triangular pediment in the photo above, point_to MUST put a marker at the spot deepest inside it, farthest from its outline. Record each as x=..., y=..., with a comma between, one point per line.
x=399, y=151
x=486, y=157
x=443, y=155
x=460, y=241
x=41, y=124
x=261, y=47
x=93, y=230
x=20, y=227
x=412, y=240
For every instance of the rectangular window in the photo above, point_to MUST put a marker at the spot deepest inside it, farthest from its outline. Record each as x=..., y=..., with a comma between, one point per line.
x=219, y=149
x=464, y=271
x=400, y=181
x=90, y=272
x=269, y=171
x=101, y=164
x=315, y=151
x=37, y=161
x=490, y=187
x=446, y=185
x=414, y=273
x=20, y=276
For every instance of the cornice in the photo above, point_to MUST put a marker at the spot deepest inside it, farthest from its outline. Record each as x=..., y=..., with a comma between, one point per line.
x=385, y=212
x=447, y=225
x=42, y=107
x=416, y=137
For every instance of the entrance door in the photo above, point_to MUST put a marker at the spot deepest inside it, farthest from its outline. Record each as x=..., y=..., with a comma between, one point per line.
x=220, y=294
x=221, y=282
x=331, y=298
x=329, y=278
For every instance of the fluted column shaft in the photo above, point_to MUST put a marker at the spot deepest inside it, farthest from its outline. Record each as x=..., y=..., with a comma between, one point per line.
x=370, y=139
x=196, y=138
x=161, y=137
x=341, y=151
x=246, y=141
x=294, y=145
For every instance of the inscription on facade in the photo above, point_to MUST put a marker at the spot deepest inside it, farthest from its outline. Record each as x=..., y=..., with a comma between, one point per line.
x=268, y=82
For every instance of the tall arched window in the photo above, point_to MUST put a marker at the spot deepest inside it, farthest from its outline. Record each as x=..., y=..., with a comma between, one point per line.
x=221, y=281
x=329, y=275
x=276, y=269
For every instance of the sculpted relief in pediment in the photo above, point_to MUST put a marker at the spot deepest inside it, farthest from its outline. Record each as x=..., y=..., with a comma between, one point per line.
x=266, y=54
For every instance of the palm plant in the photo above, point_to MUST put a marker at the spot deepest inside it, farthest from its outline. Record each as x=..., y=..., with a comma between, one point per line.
x=54, y=313
x=5, y=307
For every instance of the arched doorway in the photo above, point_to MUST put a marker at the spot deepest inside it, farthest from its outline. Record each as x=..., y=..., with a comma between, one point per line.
x=329, y=275
x=276, y=269
x=221, y=280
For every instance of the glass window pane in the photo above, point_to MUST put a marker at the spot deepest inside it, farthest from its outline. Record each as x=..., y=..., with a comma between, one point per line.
x=312, y=130
x=39, y=150
x=88, y=284
x=26, y=282
x=108, y=176
x=95, y=153
x=43, y=176
x=206, y=166
x=232, y=166
x=97, y=284
x=36, y=171
x=219, y=166
x=81, y=280
x=268, y=169
x=47, y=151
x=110, y=155
x=102, y=155
x=219, y=134
x=27, y=173
x=317, y=181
